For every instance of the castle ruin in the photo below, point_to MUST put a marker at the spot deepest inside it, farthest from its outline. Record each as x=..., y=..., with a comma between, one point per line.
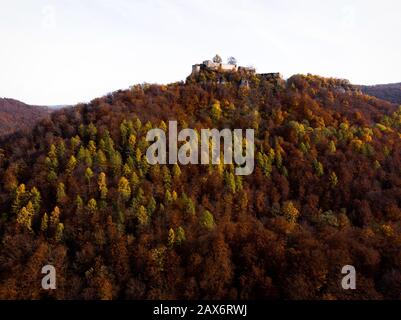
x=216, y=66
x=221, y=67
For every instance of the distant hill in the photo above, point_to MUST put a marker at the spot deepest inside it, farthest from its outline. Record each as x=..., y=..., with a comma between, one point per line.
x=16, y=115
x=390, y=92
x=59, y=106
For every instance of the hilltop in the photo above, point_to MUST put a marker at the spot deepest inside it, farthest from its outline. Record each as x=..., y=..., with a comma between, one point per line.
x=77, y=192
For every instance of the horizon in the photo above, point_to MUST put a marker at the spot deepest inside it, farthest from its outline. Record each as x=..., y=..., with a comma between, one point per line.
x=67, y=52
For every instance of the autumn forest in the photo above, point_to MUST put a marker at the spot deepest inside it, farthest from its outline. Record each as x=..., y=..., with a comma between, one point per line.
x=77, y=192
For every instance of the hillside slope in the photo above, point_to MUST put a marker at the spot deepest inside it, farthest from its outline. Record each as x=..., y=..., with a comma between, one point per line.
x=78, y=193
x=390, y=92
x=16, y=116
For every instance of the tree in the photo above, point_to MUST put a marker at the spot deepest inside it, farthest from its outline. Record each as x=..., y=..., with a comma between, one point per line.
x=79, y=202
x=134, y=180
x=59, y=231
x=51, y=162
x=180, y=235
x=92, y=148
x=55, y=216
x=61, y=149
x=25, y=215
x=92, y=205
x=151, y=206
x=318, y=168
x=124, y=188
x=265, y=162
x=229, y=180
x=217, y=59
x=131, y=142
x=216, y=111
x=189, y=206
x=176, y=171
x=168, y=199
x=89, y=176
x=52, y=176
x=138, y=199
x=102, y=184
x=163, y=126
x=35, y=199
x=101, y=159
x=232, y=61
x=115, y=162
x=61, y=195
x=142, y=216
x=82, y=155
x=72, y=163
x=44, y=224
x=74, y=143
x=207, y=220
x=91, y=131
x=166, y=177
x=171, y=238
x=332, y=147
x=127, y=170
x=290, y=212
x=238, y=183
x=333, y=179
x=174, y=196
x=52, y=154
x=20, y=197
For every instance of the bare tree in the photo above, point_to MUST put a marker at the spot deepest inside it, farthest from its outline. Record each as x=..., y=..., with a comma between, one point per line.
x=217, y=59
x=232, y=61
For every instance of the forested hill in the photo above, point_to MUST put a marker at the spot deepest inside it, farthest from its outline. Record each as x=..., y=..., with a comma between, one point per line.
x=16, y=116
x=390, y=92
x=78, y=193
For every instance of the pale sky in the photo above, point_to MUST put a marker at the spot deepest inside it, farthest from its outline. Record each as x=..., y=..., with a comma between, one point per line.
x=65, y=52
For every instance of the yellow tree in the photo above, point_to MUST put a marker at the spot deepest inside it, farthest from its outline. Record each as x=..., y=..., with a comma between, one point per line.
x=44, y=224
x=168, y=199
x=20, y=195
x=216, y=111
x=171, y=237
x=55, y=216
x=72, y=163
x=290, y=212
x=59, y=231
x=180, y=235
x=124, y=188
x=176, y=171
x=24, y=216
x=142, y=216
x=79, y=202
x=207, y=220
x=333, y=179
x=102, y=185
x=92, y=205
x=88, y=175
x=36, y=199
x=92, y=148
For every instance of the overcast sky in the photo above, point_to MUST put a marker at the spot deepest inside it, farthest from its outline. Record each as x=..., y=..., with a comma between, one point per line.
x=70, y=51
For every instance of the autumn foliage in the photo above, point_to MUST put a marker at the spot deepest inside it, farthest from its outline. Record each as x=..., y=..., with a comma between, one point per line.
x=78, y=193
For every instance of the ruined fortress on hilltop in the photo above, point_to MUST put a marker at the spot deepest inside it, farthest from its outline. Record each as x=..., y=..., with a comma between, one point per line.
x=217, y=65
